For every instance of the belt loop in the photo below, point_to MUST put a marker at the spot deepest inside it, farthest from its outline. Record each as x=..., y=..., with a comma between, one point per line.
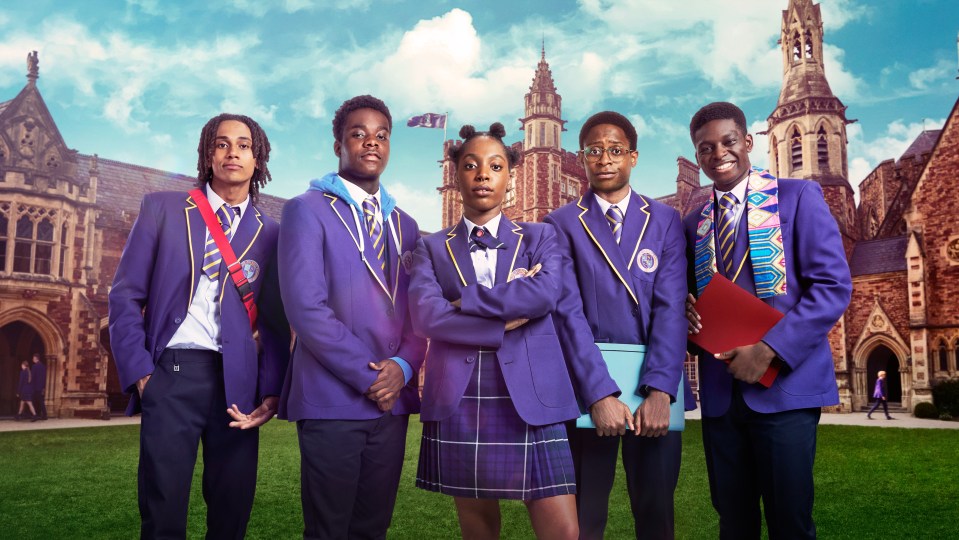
x=176, y=361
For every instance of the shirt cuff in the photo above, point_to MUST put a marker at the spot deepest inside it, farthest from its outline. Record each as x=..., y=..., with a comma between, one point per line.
x=405, y=366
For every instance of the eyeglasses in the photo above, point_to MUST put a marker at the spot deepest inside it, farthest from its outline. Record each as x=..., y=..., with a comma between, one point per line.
x=595, y=153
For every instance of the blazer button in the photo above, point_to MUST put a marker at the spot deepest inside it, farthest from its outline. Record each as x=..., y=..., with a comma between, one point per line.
x=159, y=348
x=392, y=345
x=469, y=359
x=635, y=312
x=389, y=312
x=178, y=320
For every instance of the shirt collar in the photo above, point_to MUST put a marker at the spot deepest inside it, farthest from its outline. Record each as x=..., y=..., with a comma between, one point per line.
x=216, y=201
x=604, y=204
x=739, y=191
x=359, y=194
x=492, y=225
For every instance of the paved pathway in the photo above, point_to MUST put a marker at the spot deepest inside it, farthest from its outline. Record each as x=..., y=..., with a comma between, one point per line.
x=851, y=419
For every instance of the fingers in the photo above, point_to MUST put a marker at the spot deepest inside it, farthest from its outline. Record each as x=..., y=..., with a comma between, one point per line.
x=692, y=315
x=378, y=366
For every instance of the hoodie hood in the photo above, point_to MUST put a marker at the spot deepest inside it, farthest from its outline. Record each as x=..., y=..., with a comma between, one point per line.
x=332, y=183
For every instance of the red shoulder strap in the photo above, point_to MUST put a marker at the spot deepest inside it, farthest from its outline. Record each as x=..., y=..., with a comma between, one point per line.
x=226, y=251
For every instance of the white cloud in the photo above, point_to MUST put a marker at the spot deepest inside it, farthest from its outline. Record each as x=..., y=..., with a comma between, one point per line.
x=425, y=205
x=760, y=154
x=923, y=78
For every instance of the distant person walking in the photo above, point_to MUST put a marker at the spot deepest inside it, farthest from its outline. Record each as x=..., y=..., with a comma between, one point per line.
x=38, y=372
x=25, y=392
x=880, y=394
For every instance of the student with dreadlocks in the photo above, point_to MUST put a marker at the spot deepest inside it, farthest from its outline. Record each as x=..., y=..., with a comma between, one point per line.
x=496, y=390
x=345, y=251
x=182, y=336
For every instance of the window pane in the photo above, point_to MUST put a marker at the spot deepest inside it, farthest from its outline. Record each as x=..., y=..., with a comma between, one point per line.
x=3, y=255
x=21, y=257
x=44, y=257
x=4, y=223
x=25, y=228
x=45, y=231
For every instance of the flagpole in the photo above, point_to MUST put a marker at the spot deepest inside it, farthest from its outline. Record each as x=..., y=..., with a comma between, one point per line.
x=446, y=124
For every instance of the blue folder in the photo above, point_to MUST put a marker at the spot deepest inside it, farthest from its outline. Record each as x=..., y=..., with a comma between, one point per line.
x=625, y=363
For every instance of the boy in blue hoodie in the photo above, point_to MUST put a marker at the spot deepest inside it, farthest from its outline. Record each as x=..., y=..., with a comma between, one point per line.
x=345, y=251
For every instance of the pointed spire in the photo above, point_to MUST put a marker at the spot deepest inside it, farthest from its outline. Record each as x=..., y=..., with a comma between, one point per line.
x=33, y=67
x=543, y=55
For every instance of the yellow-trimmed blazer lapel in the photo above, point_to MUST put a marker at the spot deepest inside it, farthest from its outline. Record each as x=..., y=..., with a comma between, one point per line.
x=457, y=246
x=343, y=210
x=196, y=241
x=597, y=228
x=511, y=235
x=634, y=227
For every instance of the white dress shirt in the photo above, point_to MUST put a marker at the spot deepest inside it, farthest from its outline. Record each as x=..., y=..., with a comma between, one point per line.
x=484, y=260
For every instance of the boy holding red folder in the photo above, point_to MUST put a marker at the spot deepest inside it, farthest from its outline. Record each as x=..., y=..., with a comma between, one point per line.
x=776, y=239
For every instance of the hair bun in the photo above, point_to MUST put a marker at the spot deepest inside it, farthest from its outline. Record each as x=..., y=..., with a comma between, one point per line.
x=467, y=131
x=497, y=130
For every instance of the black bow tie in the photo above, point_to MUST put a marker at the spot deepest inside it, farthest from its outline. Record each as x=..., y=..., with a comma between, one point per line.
x=480, y=238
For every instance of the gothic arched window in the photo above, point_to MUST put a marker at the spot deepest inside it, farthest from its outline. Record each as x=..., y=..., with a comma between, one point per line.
x=34, y=243
x=955, y=356
x=822, y=149
x=795, y=149
x=774, y=148
x=4, y=223
x=63, y=249
x=808, y=44
x=797, y=54
x=943, y=358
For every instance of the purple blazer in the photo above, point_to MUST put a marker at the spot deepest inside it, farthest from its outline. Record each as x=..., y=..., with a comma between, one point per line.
x=154, y=286
x=346, y=312
x=879, y=391
x=818, y=290
x=530, y=356
x=632, y=292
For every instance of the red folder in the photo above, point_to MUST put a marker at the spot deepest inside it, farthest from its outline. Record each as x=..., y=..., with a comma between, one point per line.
x=731, y=317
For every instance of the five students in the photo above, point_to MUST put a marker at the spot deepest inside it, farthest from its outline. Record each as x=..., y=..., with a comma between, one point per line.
x=513, y=313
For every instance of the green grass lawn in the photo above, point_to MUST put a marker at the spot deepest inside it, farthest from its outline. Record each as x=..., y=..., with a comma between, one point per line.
x=81, y=483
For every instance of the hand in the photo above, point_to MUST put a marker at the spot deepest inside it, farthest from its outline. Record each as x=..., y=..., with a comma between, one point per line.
x=257, y=418
x=750, y=362
x=389, y=381
x=534, y=270
x=611, y=416
x=692, y=315
x=515, y=323
x=652, y=417
x=458, y=303
x=142, y=384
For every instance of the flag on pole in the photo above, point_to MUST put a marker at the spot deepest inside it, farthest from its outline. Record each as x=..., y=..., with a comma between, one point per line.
x=428, y=120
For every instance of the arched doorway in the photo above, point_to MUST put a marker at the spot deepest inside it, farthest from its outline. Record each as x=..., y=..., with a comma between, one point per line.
x=883, y=359
x=18, y=342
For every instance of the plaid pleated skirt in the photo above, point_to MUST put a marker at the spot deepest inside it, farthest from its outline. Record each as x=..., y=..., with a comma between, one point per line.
x=485, y=450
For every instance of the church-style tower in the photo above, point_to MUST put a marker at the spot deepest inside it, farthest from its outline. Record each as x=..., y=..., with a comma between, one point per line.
x=546, y=176
x=807, y=130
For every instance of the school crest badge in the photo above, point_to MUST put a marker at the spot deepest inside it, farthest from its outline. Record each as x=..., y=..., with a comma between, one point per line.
x=647, y=261
x=251, y=270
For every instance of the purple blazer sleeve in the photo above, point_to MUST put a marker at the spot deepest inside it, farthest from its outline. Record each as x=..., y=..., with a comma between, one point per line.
x=128, y=296
x=585, y=363
x=435, y=317
x=820, y=272
x=274, y=332
x=305, y=294
x=525, y=298
x=666, y=346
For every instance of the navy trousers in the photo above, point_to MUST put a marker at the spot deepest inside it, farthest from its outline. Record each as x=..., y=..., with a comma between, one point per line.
x=349, y=474
x=183, y=404
x=751, y=455
x=651, y=465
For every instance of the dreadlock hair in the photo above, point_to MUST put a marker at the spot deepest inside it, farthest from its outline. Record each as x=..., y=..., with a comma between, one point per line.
x=261, y=152
x=718, y=110
x=608, y=117
x=354, y=103
x=496, y=131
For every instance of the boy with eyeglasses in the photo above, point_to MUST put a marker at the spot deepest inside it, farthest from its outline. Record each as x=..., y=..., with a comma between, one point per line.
x=628, y=253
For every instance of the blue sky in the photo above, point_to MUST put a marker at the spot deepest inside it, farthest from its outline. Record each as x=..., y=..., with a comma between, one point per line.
x=135, y=81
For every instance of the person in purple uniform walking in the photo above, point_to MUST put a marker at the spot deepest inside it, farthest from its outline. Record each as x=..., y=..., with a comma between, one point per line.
x=880, y=394
x=496, y=389
x=38, y=372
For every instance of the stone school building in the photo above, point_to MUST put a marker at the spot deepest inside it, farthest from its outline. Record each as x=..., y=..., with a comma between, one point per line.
x=64, y=217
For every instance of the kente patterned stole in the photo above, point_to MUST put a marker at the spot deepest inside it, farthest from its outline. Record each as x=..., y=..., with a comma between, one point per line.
x=765, y=237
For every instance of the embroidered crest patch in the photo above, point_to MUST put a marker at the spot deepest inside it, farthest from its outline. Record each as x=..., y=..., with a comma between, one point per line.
x=251, y=270
x=647, y=261
x=406, y=259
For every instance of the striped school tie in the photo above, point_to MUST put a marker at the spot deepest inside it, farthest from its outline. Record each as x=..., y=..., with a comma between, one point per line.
x=727, y=228
x=615, y=217
x=371, y=208
x=212, y=257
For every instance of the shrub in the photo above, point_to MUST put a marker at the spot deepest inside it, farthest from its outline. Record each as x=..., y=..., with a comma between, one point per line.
x=925, y=410
x=946, y=396
x=945, y=416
